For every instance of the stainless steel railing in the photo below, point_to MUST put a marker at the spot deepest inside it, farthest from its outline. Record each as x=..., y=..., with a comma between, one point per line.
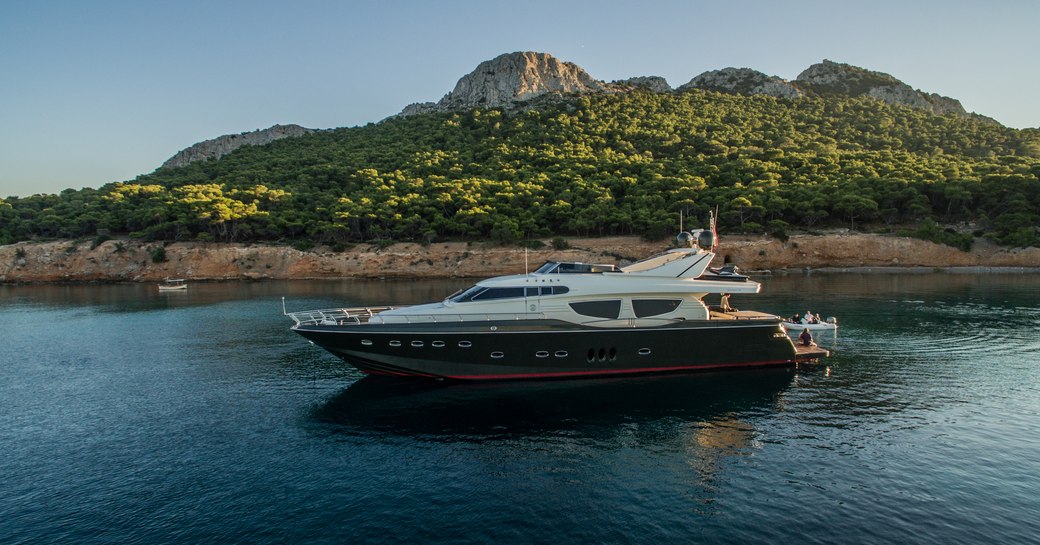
x=336, y=316
x=364, y=315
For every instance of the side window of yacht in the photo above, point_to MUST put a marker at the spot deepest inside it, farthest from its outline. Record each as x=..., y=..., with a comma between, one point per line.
x=644, y=308
x=499, y=293
x=598, y=309
x=554, y=290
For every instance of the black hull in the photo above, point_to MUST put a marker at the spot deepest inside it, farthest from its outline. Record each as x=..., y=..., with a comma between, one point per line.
x=548, y=349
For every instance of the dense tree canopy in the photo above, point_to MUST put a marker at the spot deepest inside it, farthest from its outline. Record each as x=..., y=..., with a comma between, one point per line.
x=594, y=164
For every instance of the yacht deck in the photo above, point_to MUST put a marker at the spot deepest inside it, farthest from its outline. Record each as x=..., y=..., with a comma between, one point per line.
x=717, y=314
x=810, y=353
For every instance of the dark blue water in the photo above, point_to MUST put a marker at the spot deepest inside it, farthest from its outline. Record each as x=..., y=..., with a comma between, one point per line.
x=129, y=416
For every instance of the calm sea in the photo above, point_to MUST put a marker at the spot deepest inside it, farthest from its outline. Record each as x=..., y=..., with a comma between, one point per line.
x=130, y=416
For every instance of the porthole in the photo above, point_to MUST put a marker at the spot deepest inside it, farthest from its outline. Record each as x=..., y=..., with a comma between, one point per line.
x=612, y=354
x=437, y=344
x=465, y=344
x=497, y=355
x=418, y=344
x=591, y=354
x=644, y=351
x=602, y=354
x=366, y=342
x=541, y=354
x=395, y=343
x=561, y=354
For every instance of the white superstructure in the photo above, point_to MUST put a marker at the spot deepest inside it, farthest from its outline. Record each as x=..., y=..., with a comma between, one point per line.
x=662, y=289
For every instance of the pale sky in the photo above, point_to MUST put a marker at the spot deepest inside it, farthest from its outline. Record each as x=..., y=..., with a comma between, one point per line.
x=93, y=92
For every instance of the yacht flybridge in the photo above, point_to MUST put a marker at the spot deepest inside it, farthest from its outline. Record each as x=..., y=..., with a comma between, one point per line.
x=566, y=320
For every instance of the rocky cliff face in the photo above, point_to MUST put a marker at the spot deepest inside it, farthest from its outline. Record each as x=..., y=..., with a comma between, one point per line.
x=832, y=78
x=516, y=77
x=744, y=81
x=120, y=261
x=217, y=147
x=513, y=78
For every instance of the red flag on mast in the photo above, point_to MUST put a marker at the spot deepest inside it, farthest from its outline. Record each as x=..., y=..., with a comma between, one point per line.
x=714, y=235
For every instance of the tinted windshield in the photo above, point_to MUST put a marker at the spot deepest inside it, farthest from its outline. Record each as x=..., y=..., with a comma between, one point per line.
x=547, y=267
x=466, y=295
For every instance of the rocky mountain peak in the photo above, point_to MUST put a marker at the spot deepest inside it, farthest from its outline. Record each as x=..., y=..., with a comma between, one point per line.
x=655, y=84
x=830, y=78
x=518, y=76
x=223, y=145
x=834, y=78
x=513, y=78
x=744, y=81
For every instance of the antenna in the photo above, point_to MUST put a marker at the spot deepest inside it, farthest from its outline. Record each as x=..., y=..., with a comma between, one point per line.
x=525, y=261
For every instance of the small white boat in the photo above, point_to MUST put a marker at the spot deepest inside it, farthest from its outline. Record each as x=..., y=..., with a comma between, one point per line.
x=173, y=284
x=831, y=324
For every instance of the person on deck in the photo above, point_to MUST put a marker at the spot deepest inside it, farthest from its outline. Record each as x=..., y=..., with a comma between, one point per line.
x=806, y=338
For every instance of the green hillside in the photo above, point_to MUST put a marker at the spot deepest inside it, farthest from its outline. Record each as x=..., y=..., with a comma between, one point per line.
x=590, y=165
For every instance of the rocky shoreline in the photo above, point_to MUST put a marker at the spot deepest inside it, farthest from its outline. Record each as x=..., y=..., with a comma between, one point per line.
x=131, y=261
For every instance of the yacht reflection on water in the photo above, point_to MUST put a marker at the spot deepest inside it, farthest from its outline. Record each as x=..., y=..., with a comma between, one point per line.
x=478, y=411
